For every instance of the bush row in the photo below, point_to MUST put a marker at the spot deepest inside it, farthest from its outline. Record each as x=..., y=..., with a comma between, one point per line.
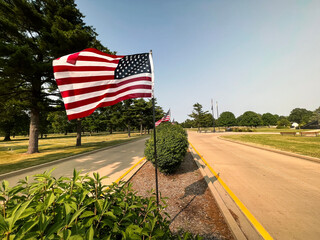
x=172, y=145
x=79, y=208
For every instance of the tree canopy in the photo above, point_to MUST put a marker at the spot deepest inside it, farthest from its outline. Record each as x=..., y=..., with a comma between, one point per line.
x=300, y=115
x=198, y=115
x=227, y=119
x=250, y=118
x=33, y=33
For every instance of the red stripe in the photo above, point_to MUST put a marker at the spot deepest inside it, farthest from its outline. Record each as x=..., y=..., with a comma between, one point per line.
x=72, y=80
x=81, y=68
x=72, y=59
x=105, y=104
x=75, y=92
x=101, y=53
x=98, y=98
x=96, y=59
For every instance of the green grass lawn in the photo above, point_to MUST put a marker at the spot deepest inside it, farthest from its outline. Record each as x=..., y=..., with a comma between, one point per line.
x=13, y=153
x=309, y=146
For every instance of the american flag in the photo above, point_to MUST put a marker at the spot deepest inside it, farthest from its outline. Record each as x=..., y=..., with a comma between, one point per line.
x=166, y=118
x=91, y=79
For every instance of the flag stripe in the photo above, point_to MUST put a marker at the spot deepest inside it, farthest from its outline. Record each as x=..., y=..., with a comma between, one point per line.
x=60, y=75
x=97, y=99
x=75, y=80
x=102, y=86
x=82, y=68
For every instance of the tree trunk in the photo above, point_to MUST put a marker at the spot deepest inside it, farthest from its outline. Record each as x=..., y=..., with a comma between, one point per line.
x=141, y=129
x=129, y=133
x=7, y=135
x=34, y=132
x=78, y=132
x=110, y=130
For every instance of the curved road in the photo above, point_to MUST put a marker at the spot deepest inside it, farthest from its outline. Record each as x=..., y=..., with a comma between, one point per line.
x=282, y=192
x=111, y=162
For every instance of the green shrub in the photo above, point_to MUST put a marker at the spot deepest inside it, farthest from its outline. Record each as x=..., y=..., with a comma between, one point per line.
x=172, y=145
x=79, y=208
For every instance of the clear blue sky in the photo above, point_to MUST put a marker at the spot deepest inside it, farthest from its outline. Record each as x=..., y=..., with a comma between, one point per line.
x=262, y=56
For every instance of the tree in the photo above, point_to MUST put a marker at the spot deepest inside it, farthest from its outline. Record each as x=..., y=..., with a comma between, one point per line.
x=198, y=115
x=316, y=115
x=33, y=33
x=283, y=122
x=12, y=118
x=250, y=118
x=269, y=119
x=208, y=120
x=227, y=119
x=300, y=115
x=188, y=124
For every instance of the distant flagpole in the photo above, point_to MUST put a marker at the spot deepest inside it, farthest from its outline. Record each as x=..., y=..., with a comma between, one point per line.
x=214, y=129
x=217, y=113
x=154, y=130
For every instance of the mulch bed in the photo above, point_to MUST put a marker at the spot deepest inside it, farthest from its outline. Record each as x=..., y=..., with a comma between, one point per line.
x=190, y=202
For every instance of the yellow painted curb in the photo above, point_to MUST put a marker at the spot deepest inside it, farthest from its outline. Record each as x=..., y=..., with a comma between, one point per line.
x=246, y=212
x=123, y=175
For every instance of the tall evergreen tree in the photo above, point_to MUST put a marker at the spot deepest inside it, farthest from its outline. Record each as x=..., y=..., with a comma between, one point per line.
x=33, y=33
x=198, y=115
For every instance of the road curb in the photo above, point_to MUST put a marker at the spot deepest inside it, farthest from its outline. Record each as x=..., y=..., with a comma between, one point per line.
x=25, y=170
x=312, y=159
x=233, y=226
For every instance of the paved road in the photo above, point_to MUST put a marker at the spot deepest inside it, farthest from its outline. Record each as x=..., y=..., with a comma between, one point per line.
x=282, y=192
x=112, y=162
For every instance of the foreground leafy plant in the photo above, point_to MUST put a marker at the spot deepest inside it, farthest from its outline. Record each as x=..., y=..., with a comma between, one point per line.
x=80, y=208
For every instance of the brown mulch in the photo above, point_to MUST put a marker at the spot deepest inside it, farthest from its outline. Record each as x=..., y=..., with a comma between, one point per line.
x=190, y=202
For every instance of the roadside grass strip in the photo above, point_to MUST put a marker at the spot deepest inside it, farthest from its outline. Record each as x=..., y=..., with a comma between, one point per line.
x=309, y=146
x=245, y=211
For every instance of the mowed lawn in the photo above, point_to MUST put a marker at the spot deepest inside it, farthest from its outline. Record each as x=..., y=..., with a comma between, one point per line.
x=309, y=146
x=13, y=153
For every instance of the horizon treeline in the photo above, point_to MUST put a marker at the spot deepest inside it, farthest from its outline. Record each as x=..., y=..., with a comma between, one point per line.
x=200, y=118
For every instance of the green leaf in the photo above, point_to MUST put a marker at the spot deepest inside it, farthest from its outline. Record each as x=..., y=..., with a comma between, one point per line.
x=90, y=233
x=87, y=214
x=3, y=224
x=5, y=185
x=76, y=237
x=25, y=229
x=54, y=229
x=49, y=200
x=19, y=212
x=2, y=198
x=76, y=214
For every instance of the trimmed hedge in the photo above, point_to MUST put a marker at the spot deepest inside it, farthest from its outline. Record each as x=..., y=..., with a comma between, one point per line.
x=172, y=145
x=79, y=208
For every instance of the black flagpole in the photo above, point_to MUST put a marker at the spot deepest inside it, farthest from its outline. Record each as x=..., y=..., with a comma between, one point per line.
x=154, y=132
x=155, y=151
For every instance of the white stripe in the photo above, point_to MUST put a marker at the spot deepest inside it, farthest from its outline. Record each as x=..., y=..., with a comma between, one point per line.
x=67, y=87
x=102, y=92
x=80, y=63
x=107, y=99
x=71, y=74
